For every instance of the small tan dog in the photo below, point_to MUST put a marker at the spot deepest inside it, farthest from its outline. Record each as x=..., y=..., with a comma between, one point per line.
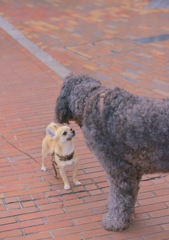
x=58, y=140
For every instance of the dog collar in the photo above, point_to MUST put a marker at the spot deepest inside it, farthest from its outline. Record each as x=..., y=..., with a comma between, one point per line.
x=101, y=99
x=65, y=158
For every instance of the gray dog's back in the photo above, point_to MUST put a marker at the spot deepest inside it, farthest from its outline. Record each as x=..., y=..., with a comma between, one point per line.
x=135, y=128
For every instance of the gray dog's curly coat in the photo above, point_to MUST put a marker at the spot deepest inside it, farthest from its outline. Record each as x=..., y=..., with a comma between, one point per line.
x=129, y=136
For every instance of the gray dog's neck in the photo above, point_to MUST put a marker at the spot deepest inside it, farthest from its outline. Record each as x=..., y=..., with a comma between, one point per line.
x=85, y=103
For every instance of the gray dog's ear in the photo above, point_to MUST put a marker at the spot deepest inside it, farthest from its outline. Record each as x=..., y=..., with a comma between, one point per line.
x=62, y=111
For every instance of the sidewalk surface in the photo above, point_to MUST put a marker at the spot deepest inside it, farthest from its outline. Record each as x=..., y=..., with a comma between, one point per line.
x=122, y=43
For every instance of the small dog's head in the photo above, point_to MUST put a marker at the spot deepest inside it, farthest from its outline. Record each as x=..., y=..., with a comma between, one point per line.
x=74, y=91
x=60, y=133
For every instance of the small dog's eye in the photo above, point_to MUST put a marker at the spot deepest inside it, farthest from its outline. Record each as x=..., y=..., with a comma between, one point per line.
x=71, y=129
x=64, y=133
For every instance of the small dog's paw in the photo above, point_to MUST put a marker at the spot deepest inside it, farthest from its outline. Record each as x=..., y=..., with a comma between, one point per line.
x=43, y=169
x=77, y=183
x=66, y=187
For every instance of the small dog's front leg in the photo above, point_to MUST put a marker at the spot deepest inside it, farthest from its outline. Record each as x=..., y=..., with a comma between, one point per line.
x=75, y=172
x=64, y=177
x=44, y=156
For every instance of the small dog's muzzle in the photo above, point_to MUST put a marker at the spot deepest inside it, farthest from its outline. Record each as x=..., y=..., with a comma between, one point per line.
x=72, y=131
x=71, y=134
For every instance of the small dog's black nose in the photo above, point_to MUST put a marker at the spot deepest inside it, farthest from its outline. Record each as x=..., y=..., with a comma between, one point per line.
x=72, y=131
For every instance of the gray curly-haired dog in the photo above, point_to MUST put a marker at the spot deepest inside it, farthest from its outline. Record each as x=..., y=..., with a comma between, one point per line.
x=128, y=134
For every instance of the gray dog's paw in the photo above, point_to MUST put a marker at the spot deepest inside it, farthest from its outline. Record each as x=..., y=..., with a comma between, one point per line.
x=111, y=224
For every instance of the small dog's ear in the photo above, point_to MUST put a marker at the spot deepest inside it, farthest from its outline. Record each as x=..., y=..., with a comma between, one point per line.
x=50, y=132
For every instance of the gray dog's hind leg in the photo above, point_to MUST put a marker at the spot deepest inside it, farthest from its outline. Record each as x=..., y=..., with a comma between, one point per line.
x=123, y=187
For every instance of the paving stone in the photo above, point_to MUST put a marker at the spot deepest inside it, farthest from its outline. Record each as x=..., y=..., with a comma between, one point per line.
x=153, y=39
x=158, y=4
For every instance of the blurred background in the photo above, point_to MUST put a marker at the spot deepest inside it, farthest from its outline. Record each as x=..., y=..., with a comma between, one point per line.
x=123, y=43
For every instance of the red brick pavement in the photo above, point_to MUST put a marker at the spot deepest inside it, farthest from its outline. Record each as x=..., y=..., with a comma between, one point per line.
x=33, y=204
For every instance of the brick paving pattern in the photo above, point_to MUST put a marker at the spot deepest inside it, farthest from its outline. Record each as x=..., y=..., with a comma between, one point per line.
x=100, y=39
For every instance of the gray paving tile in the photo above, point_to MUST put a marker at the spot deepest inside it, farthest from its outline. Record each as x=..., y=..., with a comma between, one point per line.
x=39, y=53
x=158, y=4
